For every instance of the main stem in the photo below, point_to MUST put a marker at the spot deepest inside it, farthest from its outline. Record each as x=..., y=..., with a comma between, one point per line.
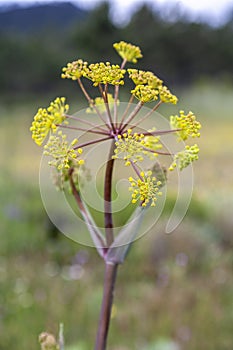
x=105, y=314
x=110, y=268
x=108, y=198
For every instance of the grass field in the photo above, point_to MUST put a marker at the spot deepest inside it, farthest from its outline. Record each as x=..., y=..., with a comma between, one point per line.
x=174, y=292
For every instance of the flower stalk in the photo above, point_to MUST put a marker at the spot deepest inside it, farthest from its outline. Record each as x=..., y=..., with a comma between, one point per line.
x=128, y=145
x=106, y=307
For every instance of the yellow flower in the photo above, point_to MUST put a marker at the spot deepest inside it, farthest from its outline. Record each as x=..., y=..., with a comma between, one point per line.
x=151, y=144
x=141, y=77
x=131, y=146
x=166, y=96
x=74, y=70
x=128, y=51
x=63, y=153
x=146, y=189
x=187, y=124
x=104, y=73
x=46, y=120
x=184, y=158
x=145, y=93
x=134, y=147
x=99, y=102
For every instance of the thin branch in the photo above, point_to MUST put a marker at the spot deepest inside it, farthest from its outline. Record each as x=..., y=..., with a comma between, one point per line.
x=123, y=63
x=91, y=102
x=160, y=132
x=104, y=94
x=132, y=115
x=136, y=169
x=108, y=109
x=92, y=142
x=84, y=122
x=116, y=93
x=82, y=129
x=81, y=207
x=158, y=152
x=148, y=114
x=126, y=110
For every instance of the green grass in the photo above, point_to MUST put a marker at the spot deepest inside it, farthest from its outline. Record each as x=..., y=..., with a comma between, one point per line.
x=172, y=288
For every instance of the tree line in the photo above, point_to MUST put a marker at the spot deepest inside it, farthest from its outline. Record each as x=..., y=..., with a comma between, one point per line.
x=180, y=52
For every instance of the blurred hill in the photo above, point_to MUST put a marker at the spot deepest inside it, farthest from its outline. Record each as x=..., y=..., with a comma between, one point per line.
x=29, y=20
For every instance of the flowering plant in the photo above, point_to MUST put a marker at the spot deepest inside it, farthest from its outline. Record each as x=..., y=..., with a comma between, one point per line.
x=119, y=126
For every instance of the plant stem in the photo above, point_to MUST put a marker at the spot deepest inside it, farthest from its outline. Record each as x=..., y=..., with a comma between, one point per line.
x=82, y=129
x=132, y=115
x=126, y=111
x=85, y=122
x=104, y=95
x=106, y=307
x=148, y=114
x=92, y=142
x=160, y=132
x=116, y=93
x=81, y=207
x=91, y=102
x=108, y=198
x=110, y=268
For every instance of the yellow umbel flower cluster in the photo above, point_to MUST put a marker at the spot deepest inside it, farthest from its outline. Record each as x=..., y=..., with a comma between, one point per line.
x=151, y=143
x=100, y=103
x=62, y=152
x=184, y=158
x=46, y=119
x=141, y=77
x=146, y=189
x=145, y=93
x=149, y=87
x=187, y=124
x=104, y=73
x=127, y=51
x=131, y=146
x=74, y=70
x=166, y=96
x=134, y=147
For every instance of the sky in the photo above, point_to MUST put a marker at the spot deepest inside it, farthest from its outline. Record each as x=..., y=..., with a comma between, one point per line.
x=212, y=10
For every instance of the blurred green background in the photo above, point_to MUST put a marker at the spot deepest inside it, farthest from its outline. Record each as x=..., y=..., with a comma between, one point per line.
x=174, y=292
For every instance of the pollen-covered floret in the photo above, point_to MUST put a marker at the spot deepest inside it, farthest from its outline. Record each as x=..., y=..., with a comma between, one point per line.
x=127, y=51
x=47, y=119
x=166, y=96
x=145, y=93
x=100, y=104
x=151, y=145
x=141, y=77
x=187, y=124
x=104, y=73
x=184, y=158
x=134, y=146
x=130, y=145
x=146, y=189
x=74, y=70
x=62, y=152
